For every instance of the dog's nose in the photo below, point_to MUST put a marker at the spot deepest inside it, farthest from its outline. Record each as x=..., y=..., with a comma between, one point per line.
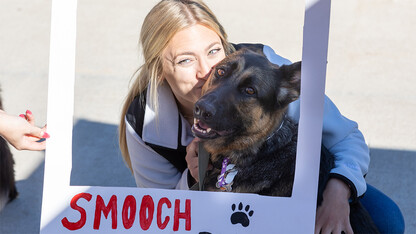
x=203, y=110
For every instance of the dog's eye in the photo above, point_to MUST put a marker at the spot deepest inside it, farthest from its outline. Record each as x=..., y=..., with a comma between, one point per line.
x=250, y=91
x=220, y=72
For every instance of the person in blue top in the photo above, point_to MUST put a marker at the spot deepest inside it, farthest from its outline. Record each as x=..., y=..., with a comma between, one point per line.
x=181, y=41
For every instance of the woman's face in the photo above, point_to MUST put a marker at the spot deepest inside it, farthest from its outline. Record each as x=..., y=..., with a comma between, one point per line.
x=187, y=61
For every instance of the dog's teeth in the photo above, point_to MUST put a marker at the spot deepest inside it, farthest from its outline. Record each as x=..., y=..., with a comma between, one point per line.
x=195, y=121
x=209, y=130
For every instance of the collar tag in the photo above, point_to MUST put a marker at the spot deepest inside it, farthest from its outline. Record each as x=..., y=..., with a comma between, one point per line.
x=225, y=179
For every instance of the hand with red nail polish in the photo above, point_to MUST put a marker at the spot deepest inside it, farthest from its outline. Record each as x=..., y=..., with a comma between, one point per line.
x=21, y=132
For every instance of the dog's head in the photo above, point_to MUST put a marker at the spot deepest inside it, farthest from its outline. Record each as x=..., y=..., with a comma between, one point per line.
x=244, y=100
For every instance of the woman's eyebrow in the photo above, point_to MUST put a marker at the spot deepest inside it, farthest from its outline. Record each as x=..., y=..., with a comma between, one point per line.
x=212, y=44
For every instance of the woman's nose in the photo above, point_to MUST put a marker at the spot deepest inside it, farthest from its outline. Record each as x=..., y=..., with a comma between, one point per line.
x=204, y=69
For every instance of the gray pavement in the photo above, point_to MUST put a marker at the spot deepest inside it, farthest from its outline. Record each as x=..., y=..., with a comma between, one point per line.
x=370, y=78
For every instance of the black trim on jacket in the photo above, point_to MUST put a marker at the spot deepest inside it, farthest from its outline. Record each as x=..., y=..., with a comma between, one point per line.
x=135, y=117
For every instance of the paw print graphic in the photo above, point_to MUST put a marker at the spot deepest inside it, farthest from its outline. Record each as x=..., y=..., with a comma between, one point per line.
x=241, y=216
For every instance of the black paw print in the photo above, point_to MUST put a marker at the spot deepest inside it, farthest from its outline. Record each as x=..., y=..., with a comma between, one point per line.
x=241, y=216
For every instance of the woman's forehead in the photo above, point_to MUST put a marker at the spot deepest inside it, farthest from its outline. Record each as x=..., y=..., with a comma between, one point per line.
x=191, y=40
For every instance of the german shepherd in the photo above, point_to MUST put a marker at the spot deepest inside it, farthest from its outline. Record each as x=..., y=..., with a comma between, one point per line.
x=241, y=119
x=8, y=190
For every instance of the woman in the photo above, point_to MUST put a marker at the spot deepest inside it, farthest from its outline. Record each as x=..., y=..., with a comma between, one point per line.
x=181, y=41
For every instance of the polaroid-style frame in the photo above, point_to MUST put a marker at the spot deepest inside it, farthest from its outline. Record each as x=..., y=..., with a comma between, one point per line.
x=89, y=209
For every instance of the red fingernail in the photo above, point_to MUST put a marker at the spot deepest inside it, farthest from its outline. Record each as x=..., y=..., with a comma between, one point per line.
x=28, y=112
x=46, y=135
x=23, y=116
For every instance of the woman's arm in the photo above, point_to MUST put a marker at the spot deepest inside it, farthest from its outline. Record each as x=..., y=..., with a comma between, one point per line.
x=343, y=139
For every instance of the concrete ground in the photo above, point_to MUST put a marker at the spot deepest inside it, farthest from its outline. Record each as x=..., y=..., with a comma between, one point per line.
x=370, y=78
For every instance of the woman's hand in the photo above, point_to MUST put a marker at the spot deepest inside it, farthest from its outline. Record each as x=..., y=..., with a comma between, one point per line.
x=21, y=132
x=333, y=216
x=192, y=158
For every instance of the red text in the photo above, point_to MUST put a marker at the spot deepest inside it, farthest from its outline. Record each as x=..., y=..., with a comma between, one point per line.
x=146, y=212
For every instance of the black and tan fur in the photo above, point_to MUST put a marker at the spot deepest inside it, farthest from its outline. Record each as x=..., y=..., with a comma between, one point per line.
x=8, y=190
x=242, y=116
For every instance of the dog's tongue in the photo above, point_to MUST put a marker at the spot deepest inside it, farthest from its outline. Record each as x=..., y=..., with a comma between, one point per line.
x=203, y=125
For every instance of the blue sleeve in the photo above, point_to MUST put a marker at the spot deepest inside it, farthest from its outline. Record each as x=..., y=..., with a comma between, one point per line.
x=340, y=136
x=344, y=140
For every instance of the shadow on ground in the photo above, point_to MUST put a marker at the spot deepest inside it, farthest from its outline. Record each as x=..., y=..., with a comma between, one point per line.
x=97, y=162
x=96, y=158
x=393, y=172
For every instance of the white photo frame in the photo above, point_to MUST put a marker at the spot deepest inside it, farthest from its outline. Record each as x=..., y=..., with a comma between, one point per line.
x=87, y=209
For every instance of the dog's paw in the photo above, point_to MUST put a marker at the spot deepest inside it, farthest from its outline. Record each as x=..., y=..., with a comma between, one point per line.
x=241, y=216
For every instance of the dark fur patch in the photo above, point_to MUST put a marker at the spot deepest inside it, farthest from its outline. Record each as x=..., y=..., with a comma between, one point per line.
x=8, y=190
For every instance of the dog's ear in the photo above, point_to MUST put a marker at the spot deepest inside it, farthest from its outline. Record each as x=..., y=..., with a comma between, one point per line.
x=289, y=89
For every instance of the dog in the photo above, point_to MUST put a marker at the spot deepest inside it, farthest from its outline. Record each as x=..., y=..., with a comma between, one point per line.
x=8, y=191
x=242, y=123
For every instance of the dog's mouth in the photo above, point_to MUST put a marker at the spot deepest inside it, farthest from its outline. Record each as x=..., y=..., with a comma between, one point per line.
x=204, y=131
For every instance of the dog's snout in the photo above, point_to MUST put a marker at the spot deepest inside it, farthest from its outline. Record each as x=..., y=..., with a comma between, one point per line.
x=207, y=115
x=204, y=110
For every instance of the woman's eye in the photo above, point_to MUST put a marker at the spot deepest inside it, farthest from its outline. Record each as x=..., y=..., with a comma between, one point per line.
x=250, y=91
x=184, y=61
x=214, y=51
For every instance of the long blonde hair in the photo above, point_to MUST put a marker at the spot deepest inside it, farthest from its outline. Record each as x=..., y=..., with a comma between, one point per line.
x=160, y=25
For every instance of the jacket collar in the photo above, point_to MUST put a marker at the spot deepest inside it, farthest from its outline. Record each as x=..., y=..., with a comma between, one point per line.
x=163, y=129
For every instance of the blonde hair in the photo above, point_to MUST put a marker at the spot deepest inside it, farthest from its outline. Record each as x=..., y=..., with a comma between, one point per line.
x=160, y=25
